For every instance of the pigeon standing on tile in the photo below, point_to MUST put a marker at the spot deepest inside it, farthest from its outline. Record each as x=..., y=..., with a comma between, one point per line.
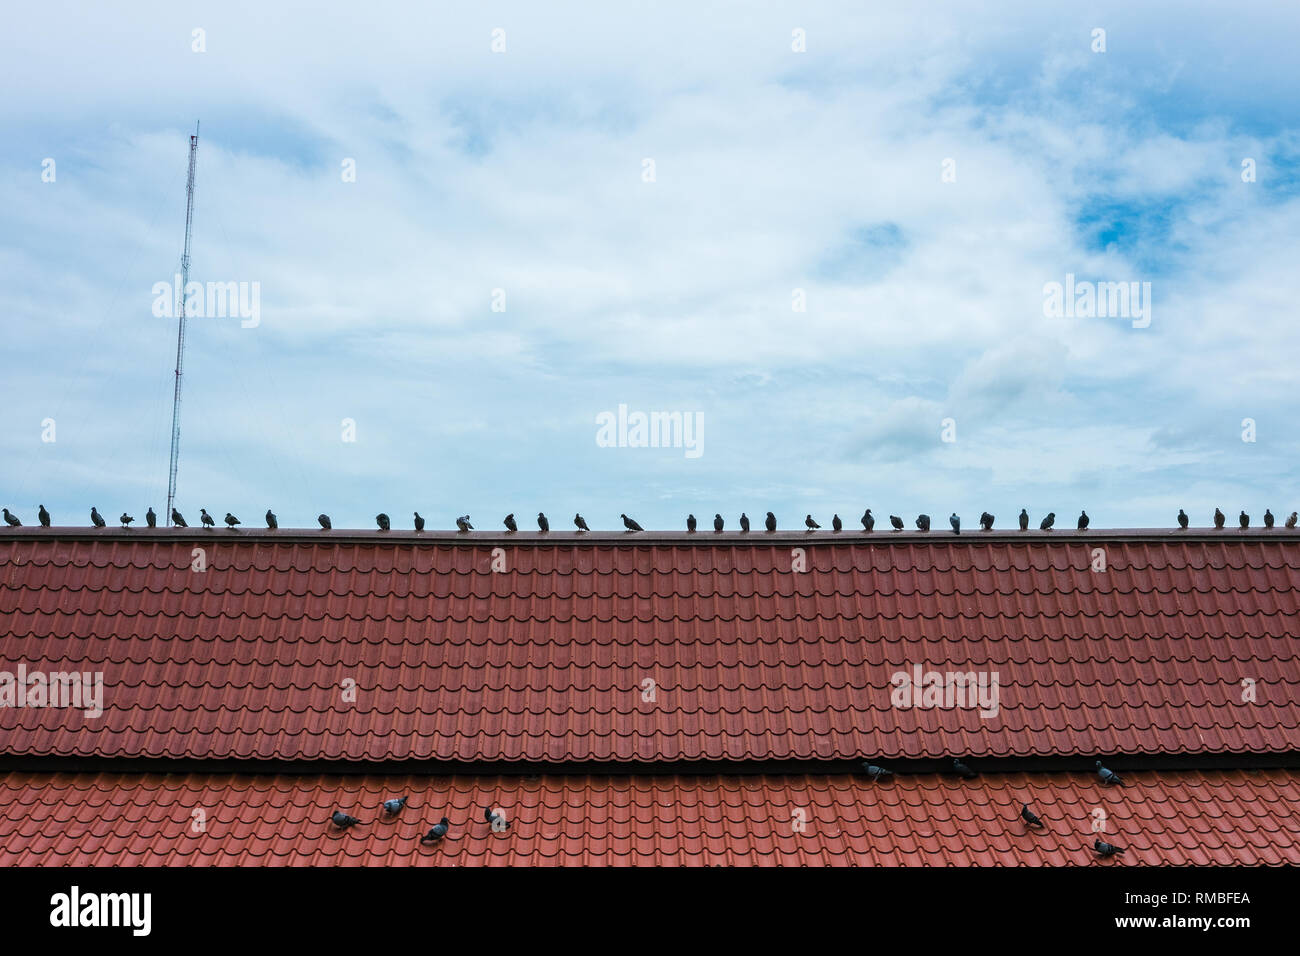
x=126, y=519
x=1106, y=849
x=1244, y=519
x=1046, y=523
x=1108, y=777
x=419, y=522
x=874, y=772
x=324, y=520
x=1219, y=519
x=11, y=520
x=580, y=523
x=498, y=821
x=43, y=517
x=510, y=523
x=955, y=522
x=690, y=524
x=1030, y=817
x=231, y=521
x=807, y=521
x=836, y=524
x=383, y=522
x=631, y=524
x=395, y=806
x=1024, y=520
x=922, y=522
x=1182, y=519
x=342, y=820
x=744, y=522
x=542, y=524
x=96, y=519
x=770, y=523
x=1083, y=521
x=271, y=521
x=463, y=524
x=178, y=519
x=986, y=521
x=868, y=520
x=959, y=767
x=207, y=519
x=1290, y=522
x=718, y=523
x=1268, y=518
x=437, y=831
x=151, y=518
x=897, y=522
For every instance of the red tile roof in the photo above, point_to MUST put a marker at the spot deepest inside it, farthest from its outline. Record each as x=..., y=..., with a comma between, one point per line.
x=1179, y=818
x=547, y=661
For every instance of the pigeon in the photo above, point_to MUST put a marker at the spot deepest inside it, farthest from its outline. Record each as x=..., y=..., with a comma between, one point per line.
x=324, y=522
x=1108, y=777
x=770, y=523
x=43, y=517
x=691, y=524
x=11, y=520
x=125, y=518
x=868, y=520
x=718, y=523
x=1046, y=523
x=178, y=519
x=395, y=806
x=986, y=521
x=630, y=524
x=1030, y=817
x=1290, y=522
x=542, y=524
x=959, y=767
x=955, y=522
x=580, y=523
x=342, y=820
x=1182, y=519
x=207, y=519
x=897, y=522
x=95, y=518
x=1219, y=518
x=1268, y=518
x=271, y=521
x=808, y=523
x=419, y=522
x=463, y=524
x=1083, y=521
x=1024, y=520
x=1244, y=519
x=231, y=521
x=836, y=524
x=874, y=772
x=1106, y=849
x=492, y=818
x=744, y=522
x=383, y=521
x=922, y=522
x=437, y=831
x=510, y=523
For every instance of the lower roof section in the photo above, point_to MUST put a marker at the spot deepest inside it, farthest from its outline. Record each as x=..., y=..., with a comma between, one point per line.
x=1160, y=817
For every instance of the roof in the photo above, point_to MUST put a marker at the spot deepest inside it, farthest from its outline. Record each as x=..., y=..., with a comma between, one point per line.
x=547, y=660
x=1170, y=818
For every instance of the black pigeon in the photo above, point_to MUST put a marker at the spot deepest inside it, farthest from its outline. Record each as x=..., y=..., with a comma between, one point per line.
x=43, y=517
x=1108, y=777
x=463, y=524
x=1219, y=518
x=96, y=519
x=342, y=820
x=271, y=521
x=206, y=518
x=542, y=524
x=11, y=520
x=718, y=523
x=437, y=831
x=836, y=524
x=1268, y=518
x=770, y=523
x=1182, y=519
x=961, y=768
x=1024, y=520
x=178, y=519
x=1046, y=523
x=419, y=522
x=1030, y=817
x=922, y=522
x=395, y=806
x=1244, y=519
x=1083, y=521
x=1106, y=849
x=874, y=772
x=808, y=523
x=897, y=522
x=1291, y=521
x=324, y=522
x=868, y=520
x=691, y=524
x=955, y=521
x=125, y=518
x=580, y=523
x=492, y=818
x=231, y=521
x=986, y=521
x=383, y=521
x=510, y=523
x=630, y=524
x=744, y=521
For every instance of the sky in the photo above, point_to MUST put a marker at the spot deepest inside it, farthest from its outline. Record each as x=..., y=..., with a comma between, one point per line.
x=824, y=234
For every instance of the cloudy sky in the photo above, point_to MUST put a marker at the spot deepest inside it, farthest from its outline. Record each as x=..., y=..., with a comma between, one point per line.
x=650, y=191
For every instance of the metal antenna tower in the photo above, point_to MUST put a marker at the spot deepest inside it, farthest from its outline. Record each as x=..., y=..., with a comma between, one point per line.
x=180, y=329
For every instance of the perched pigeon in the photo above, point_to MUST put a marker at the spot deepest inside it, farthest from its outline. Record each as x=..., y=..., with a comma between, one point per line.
x=1046, y=523
x=383, y=522
x=542, y=524
x=493, y=819
x=95, y=518
x=955, y=521
x=961, y=768
x=691, y=524
x=897, y=522
x=1268, y=518
x=1290, y=522
x=419, y=522
x=1219, y=518
x=11, y=520
x=922, y=522
x=395, y=806
x=1244, y=519
x=808, y=523
x=207, y=519
x=1108, y=777
x=718, y=523
x=324, y=522
x=1024, y=520
x=43, y=517
x=125, y=518
x=231, y=521
x=580, y=523
x=342, y=820
x=271, y=521
x=437, y=832
x=868, y=520
x=986, y=521
x=874, y=772
x=1182, y=519
x=510, y=523
x=1030, y=817
x=630, y=524
x=770, y=523
x=463, y=523
x=1083, y=521
x=744, y=522
x=1106, y=849
x=836, y=524
x=178, y=519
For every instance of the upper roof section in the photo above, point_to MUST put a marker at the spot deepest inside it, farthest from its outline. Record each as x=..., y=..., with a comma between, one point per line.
x=216, y=644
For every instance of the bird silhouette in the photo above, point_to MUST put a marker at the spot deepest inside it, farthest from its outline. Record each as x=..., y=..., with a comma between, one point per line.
x=808, y=523
x=836, y=524
x=12, y=520
x=231, y=521
x=462, y=523
x=43, y=517
x=630, y=524
x=897, y=522
x=207, y=519
x=1046, y=523
x=510, y=523
x=744, y=522
x=1244, y=519
x=868, y=520
x=342, y=820
x=770, y=523
x=986, y=521
x=1291, y=521
x=1182, y=519
x=271, y=521
x=922, y=522
x=1108, y=777
x=126, y=519
x=961, y=768
x=1024, y=520
x=718, y=523
x=542, y=524
x=178, y=519
x=580, y=523
x=419, y=522
x=955, y=521
x=96, y=519
x=1030, y=817
x=324, y=520
x=1219, y=519
x=1083, y=521
x=437, y=831
x=383, y=522
x=1106, y=849
x=1268, y=518
x=690, y=524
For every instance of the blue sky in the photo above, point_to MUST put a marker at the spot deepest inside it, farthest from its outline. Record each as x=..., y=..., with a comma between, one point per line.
x=775, y=171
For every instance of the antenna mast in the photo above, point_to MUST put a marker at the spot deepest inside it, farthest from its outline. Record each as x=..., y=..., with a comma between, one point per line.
x=180, y=328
